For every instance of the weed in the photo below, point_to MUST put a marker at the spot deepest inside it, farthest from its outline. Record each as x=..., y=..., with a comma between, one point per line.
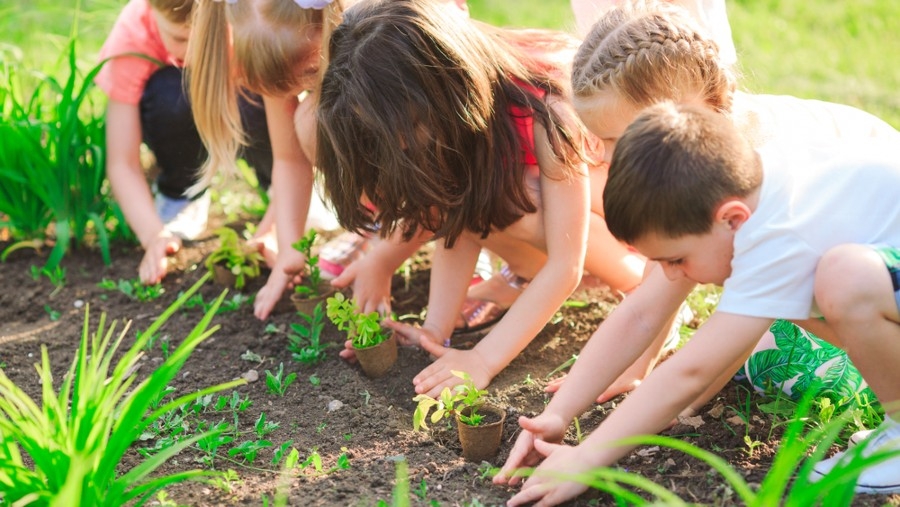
x=53, y=314
x=564, y=366
x=232, y=304
x=264, y=427
x=134, y=289
x=56, y=275
x=279, y=453
x=252, y=357
x=314, y=380
x=313, y=279
x=305, y=339
x=421, y=490
x=277, y=382
x=248, y=449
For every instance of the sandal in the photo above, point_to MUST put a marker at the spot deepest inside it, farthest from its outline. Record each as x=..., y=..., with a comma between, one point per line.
x=482, y=314
x=340, y=252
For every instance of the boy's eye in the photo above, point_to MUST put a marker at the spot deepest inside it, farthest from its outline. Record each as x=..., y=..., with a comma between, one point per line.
x=675, y=262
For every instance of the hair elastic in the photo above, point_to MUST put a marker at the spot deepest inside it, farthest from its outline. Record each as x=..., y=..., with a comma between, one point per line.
x=312, y=4
x=227, y=1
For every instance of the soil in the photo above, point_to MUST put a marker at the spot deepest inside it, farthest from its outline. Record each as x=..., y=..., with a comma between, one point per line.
x=373, y=424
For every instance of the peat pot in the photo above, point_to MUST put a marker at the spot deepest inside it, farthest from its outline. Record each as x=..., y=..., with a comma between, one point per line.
x=378, y=359
x=480, y=443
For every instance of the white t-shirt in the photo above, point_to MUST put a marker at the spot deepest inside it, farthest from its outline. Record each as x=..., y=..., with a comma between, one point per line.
x=813, y=198
x=767, y=118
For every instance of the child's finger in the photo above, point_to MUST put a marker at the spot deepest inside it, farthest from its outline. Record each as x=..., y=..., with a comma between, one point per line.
x=435, y=349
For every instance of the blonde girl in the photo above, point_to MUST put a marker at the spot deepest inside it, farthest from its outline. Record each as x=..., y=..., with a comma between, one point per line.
x=453, y=127
x=147, y=104
x=272, y=47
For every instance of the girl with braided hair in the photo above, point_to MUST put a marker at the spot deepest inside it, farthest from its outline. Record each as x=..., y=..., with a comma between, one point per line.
x=635, y=57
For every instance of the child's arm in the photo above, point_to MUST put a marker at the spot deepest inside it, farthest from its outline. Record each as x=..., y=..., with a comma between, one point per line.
x=292, y=183
x=667, y=391
x=129, y=185
x=565, y=208
x=616, y=344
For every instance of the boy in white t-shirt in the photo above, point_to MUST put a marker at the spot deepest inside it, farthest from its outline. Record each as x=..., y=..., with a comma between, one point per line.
x=792, y=232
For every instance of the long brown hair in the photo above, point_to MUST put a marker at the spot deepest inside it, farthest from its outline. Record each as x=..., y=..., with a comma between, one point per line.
x=270, y=39
x=414, y=117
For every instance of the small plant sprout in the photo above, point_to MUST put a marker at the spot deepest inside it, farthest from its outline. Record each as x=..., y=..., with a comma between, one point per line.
x=134, y=289
x=305, y=339
x=450, y=403
x=278, y=382
x=313, y=274
x=363, y=329
x=234, y=257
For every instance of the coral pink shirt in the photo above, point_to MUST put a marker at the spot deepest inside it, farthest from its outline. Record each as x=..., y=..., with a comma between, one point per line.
x=123, y=78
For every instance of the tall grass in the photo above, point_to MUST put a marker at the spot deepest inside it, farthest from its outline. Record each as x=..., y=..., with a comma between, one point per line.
x=69, y=450
x=53, y=158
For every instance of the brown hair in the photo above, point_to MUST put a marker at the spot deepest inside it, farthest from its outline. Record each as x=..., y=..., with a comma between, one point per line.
x=414, y=117
x=670, y=170
x=652, y=51
x=176, y=11
x=270, y=39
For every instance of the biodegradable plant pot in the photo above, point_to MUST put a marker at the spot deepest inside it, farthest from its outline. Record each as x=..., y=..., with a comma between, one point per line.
x=480, y=443
x=378, y=359
x=223, y=276
x=306, y=304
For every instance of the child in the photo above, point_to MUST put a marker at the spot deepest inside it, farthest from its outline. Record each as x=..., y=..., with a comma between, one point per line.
x=449, y=126
x=687, y=190
x=277, y=52
x=143, y=80
x=711, y=14
x=635, y=56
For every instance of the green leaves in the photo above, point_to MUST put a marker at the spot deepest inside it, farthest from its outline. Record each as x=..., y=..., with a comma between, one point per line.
x=463, y=396
x=233, y=255
x=313, y=279
x=52, y=159
x=69, y=450
x=363, y=329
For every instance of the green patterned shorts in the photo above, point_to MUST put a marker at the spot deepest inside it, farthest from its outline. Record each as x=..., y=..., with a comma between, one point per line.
x=891, y=257
x=794, y=360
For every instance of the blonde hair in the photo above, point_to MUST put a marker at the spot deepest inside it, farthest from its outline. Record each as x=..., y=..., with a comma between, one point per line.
x=271, y=38
x=176, y=11
x=652, y=51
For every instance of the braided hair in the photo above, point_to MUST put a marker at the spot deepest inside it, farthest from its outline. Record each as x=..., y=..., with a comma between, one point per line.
x=649, y=52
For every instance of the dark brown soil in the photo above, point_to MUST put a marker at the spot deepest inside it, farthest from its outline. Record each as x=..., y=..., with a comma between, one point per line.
x=373, y=426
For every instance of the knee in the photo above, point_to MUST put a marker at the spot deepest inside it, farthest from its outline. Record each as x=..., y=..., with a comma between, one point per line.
x=847, y=281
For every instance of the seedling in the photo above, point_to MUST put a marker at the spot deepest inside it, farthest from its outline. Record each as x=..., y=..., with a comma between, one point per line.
x=305, y=339
x=450, y=403
x=134, y=289
x=278, y=382
x=56, y=275
x=313, y=274
x=248, y=449
x=53, y=314
x=234, y=257
x=264, y=427
x=363, y=329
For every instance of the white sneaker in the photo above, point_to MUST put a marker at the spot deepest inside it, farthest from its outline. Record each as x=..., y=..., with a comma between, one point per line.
x=880, y=478
x=183, y=217
x=858, y=437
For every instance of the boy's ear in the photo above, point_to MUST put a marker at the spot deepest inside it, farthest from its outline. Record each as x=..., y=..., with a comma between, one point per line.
x=733, y=213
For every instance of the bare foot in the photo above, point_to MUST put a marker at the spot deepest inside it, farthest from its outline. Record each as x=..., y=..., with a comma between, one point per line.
x=495, y=289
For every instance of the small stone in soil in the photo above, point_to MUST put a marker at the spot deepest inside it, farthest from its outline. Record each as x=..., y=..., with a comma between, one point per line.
x=251, y=376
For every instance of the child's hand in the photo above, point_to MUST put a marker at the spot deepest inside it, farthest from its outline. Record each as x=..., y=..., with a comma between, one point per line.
x=286, y=272
x=155, y=262
x=439, y=374
x=547, y=427
x=544, y=487
x=624, y=384
x=371, y=287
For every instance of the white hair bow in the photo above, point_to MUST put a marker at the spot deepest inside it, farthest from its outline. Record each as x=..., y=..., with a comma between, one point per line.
x=311, y=4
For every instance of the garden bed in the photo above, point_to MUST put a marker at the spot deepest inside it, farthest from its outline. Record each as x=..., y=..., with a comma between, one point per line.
x=359, y=427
